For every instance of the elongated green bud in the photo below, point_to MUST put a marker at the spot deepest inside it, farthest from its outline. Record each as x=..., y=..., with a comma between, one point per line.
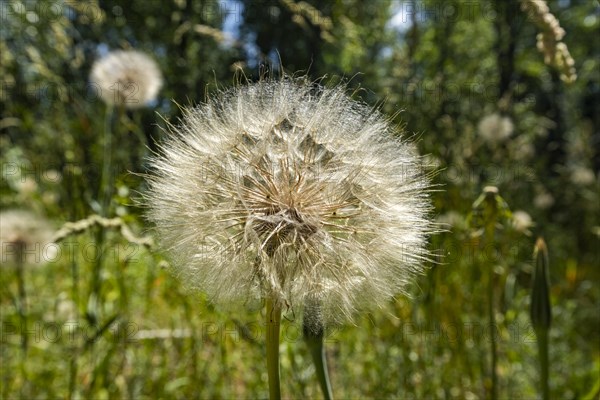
x=541, y=312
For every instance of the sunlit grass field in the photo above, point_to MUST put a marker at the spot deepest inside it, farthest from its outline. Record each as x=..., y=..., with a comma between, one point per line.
x=149, y=338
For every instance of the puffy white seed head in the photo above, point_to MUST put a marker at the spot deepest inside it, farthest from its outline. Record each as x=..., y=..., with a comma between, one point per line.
x=25, y=236
x=293, y=191
x=126, y=77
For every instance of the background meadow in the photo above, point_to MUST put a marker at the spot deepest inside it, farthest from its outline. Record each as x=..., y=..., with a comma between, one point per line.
x=93, y=311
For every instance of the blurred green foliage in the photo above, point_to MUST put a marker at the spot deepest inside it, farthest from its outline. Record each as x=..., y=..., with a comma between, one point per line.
x=437, y=68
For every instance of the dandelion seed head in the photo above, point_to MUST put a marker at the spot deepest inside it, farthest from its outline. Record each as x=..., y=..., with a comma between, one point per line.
x=25, y=230
x=522, y=221
x=293, y=191
x=543, y=200
x=127, y=77
x=495, y=128
x=582, y=176
x=65, y=309
x=452, y=220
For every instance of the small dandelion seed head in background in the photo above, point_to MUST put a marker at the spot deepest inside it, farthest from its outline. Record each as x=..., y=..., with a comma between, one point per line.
x=126, y=77
x=582, y=176
x=293, y=191
x=543, y=200
x=495, y=128
x=521, y=221
x=21, y=229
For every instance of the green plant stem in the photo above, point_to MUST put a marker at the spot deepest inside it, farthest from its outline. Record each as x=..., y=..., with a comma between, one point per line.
x=140, y=132
x=492, y=322
x=542, y=340
x=72, y=376
x=106, y=181
x=272, y=341
x=105, y=193
x=92, y=307
x=314, y=340
x=489, y=236
x=22, y=310
x=22, y=294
